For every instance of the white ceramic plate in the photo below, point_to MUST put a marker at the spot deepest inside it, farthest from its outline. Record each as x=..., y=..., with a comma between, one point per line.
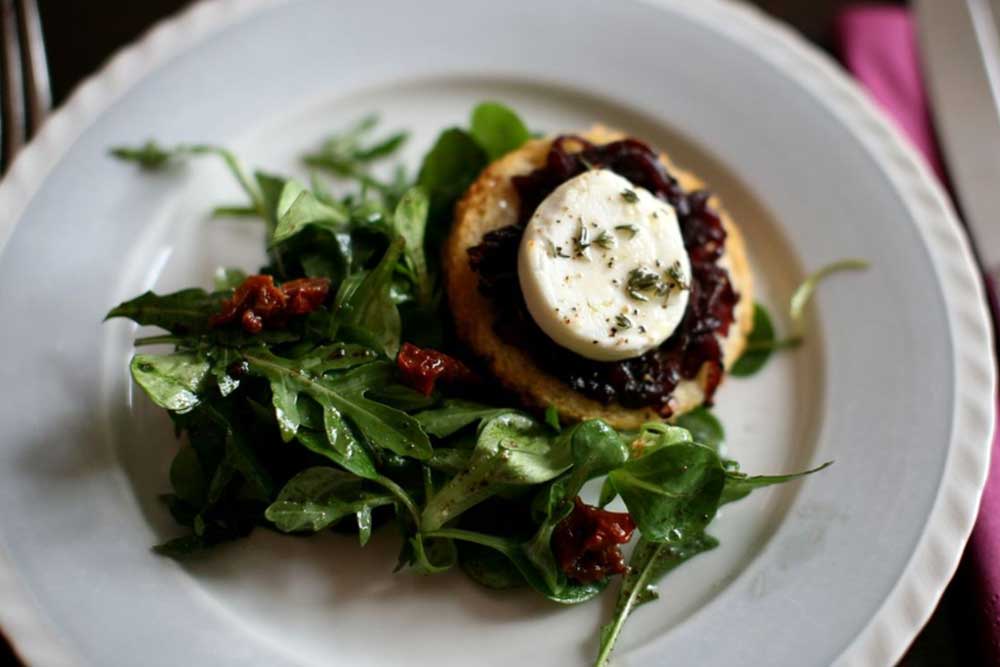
x=895, y=383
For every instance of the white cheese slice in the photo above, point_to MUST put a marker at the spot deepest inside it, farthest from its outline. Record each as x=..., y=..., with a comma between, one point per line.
x=603, y=268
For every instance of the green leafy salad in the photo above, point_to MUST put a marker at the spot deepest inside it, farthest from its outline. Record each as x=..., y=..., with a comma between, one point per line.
x=306, y=394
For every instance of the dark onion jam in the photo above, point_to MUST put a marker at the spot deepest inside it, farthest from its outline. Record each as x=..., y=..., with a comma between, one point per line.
x=587, y=543
x=648, y=380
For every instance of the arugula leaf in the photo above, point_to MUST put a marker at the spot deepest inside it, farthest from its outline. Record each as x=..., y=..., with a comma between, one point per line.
x=285, y=388
x=241, y=456
x=382, y=426
x=365, y=311
x=234, y=521
x=270, y=187
x=552, y=418
x=454, y=415
x=449, y=168
x=569, y=593
x=188, y=478
x=341, y=447
x=402, y=397
x=173, y=381
x=497, y=129
x=153, y=156
x=345, y=156
x=181, y=547
x=183, y=313
x=410, y=221
x=207, y=436
x=289, y=192
x=148, y=156
x=221, y=481
x=739, y=485
x=703, y=426
x=760, y=344
x=318, y=497
x=650, y=562
x=333, y=357
x=221, y=361
x=298, y=208
x=364, y=518
x=384, y=148
x=228, y=278
x=511, y=449
x=672, y=492
x=235, y=211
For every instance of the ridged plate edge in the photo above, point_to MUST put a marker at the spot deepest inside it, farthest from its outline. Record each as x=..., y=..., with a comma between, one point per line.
x=932, y=564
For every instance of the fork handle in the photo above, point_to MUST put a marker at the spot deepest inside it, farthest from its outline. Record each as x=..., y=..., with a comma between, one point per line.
x=11, y=85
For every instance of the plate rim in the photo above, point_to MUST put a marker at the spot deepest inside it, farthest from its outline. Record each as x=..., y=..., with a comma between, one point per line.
x=939, y=549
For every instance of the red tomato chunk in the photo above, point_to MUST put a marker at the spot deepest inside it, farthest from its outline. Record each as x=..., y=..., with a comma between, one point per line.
x=586, y=543
x=422, y=368
x=258, y=303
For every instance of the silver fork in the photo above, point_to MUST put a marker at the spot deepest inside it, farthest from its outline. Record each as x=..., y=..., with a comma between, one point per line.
x=25, y=98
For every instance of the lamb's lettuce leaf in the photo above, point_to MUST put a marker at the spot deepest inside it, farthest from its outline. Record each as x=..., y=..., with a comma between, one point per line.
x=449, y=168
x=497, y=129
x=512, y=449
x=762, y=340
x=672, y=492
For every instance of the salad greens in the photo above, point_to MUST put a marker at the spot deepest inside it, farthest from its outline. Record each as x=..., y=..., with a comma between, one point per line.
x=309, y=425
x=762, y=341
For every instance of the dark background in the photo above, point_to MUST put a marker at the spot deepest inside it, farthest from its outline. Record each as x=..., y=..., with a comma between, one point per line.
x=81, y=34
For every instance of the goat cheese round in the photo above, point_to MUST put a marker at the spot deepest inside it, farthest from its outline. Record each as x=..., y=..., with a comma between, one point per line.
x=603, y=268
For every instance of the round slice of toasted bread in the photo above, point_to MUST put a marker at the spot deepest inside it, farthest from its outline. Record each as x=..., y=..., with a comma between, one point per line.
x=491, y=202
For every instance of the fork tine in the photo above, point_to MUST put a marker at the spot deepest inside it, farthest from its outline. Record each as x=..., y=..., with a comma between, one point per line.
x=35, y=71
x=11, y=88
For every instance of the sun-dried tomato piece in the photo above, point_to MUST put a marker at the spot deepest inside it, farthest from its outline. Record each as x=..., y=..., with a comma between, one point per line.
x=305, y=294
x=258, y=303
x=587, y=543
x=422, y=368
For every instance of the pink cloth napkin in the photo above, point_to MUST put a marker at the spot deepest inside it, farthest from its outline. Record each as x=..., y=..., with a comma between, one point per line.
x=878, y=45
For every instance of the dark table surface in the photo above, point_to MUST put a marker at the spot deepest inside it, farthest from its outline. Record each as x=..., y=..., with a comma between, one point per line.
x=81, y=34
